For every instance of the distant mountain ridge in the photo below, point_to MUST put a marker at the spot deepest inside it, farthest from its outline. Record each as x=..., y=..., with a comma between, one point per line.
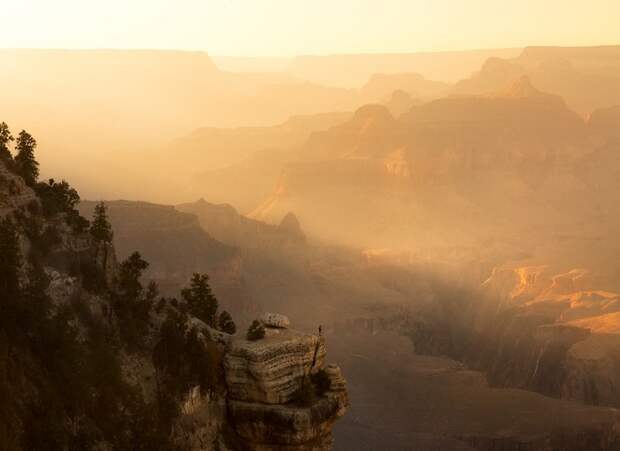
x=586, y=77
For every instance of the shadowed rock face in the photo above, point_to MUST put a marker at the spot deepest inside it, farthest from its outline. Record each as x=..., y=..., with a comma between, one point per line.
x=266, y=379
x=530, y=328
x=225, y=224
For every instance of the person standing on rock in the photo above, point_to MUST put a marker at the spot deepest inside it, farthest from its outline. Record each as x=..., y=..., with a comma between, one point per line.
x=320, y=330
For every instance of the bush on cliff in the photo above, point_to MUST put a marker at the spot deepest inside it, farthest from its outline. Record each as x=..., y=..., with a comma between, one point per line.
x=226, y=323
x=256, y=331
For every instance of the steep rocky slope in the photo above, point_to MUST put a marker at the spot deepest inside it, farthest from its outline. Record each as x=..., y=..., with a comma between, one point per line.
x=530, y=328
x=92, y=359
x=227, y=225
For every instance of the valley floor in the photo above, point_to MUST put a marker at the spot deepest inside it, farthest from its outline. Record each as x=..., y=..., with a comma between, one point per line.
x=404, y=401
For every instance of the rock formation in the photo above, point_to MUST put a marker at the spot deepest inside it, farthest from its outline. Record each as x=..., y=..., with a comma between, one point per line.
x=530, y=328
x=275, y=393
x=272, y=402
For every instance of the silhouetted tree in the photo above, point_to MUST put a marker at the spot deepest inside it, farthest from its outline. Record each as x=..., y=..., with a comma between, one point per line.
x=129, y=276
x=132, y=307
x=5, y=139
x=26, y=165
x=256, y=331
x=200, y=300
x=226, y=323
x=57, y=197
x=100, y=228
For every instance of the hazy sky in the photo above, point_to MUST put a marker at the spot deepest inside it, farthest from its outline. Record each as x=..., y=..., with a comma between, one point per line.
x=287, y=27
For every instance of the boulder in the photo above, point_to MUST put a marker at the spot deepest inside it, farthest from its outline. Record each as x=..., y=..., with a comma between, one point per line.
x=275, y=320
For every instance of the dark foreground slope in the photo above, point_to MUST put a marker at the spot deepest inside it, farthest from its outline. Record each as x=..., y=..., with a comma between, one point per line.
x=94, y=358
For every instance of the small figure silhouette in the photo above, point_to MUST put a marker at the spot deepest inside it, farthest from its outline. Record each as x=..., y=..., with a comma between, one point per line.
x=320, y=330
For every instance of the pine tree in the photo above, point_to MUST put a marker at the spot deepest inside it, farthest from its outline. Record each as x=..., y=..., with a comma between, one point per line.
x=200, y=300
x=26, y=165
x=101, y=229
x=226, y=323
x=5, y=139
x=129, y=276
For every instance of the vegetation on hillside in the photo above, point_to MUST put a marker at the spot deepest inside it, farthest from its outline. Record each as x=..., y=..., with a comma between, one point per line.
x=61, y=362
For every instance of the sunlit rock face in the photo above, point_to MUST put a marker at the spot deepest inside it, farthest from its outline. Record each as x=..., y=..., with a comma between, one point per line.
x=268, y=381
x=530, y=327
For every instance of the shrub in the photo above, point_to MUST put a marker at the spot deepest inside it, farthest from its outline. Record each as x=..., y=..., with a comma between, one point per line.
x=57, y=197
x=200, y=300
x=226, y=323
x=77, y=223
x=256, y=331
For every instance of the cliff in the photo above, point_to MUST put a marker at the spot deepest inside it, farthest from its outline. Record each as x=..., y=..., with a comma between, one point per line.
x=115, y=365
x=530, y=328
x=268, y=383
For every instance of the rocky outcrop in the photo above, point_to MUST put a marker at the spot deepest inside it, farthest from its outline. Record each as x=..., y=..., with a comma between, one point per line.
x=273, y=401
x=275, y=320
x=14, y=193
x=532, y=329
x=272, y=370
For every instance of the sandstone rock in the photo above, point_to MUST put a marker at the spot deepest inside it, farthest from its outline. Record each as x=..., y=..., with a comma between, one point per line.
x=265, y=381
x=271, y=370
x=275, y=320
x=271, y=427
x=337, y=381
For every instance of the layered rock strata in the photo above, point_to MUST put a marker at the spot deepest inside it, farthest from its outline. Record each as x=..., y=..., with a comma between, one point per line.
x=273, y=403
